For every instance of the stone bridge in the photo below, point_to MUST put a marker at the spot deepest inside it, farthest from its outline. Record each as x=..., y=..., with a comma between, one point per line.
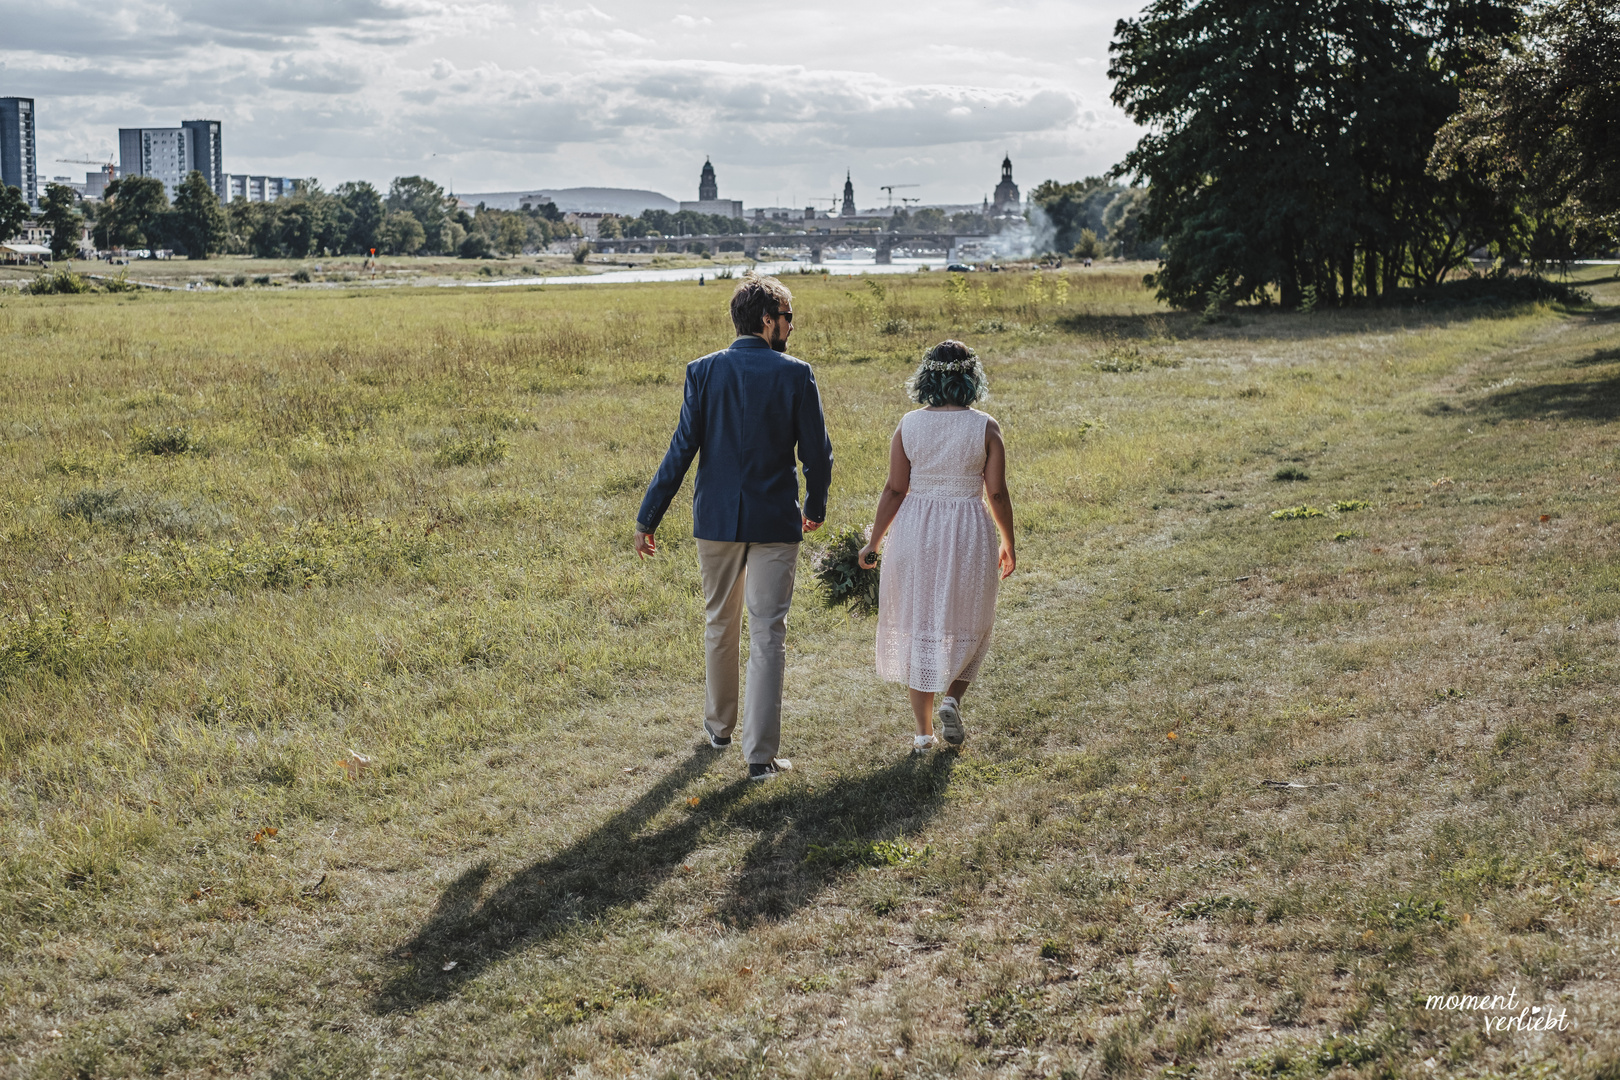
x=750, y=243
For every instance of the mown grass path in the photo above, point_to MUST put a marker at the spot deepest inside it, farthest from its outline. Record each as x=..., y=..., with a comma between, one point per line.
x=1241, y=792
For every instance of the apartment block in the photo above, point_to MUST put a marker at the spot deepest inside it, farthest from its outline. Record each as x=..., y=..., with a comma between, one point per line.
x=18, y=165
x=258, y=188
x=169, y=154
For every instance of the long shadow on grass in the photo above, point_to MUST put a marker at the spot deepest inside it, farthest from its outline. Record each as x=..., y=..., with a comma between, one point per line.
x=1580, y=399
x=1272, y=324
x=619, y=864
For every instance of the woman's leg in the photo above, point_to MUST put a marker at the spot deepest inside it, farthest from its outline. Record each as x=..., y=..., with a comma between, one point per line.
x=922, y=707
x=958, y=690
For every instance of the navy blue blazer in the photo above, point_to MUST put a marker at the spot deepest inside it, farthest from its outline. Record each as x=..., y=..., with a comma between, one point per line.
x=746, y=409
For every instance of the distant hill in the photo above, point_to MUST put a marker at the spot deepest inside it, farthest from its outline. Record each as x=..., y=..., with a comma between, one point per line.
x=602, y=200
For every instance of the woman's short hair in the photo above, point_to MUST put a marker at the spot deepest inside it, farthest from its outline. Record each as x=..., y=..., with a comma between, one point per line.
x=754, y=298
x=950, y=374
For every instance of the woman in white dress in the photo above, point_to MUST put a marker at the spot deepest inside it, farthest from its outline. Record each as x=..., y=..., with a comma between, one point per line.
x=942, y=561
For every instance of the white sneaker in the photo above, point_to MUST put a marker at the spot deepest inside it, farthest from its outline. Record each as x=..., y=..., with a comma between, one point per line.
x=920, y=743
x=950, y=722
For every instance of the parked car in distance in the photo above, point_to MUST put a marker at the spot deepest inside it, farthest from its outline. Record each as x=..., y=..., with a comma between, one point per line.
x=958, y=268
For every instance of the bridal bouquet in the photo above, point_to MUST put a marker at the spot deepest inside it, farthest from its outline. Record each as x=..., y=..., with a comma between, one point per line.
x=842, y=578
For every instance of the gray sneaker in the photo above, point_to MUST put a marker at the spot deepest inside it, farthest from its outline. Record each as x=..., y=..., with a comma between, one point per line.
x=769, y=770
x=950, y=722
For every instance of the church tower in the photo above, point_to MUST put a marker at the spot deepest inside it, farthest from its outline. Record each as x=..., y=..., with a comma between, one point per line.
x=1006, y=199
x=708, y=189
x=849, y=197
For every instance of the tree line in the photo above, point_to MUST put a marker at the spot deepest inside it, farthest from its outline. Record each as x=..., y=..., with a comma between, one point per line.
x=415, y=216
x=1338, y=150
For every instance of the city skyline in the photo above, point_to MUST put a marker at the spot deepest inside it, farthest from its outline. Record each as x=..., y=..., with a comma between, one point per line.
x=517, y=96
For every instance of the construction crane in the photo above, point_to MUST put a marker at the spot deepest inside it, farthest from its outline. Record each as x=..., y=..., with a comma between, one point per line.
x=915, y=198
x=890, y=189
x=107, y=166
x=831, y=203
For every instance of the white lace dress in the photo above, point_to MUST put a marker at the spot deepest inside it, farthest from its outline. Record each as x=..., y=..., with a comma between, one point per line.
x=937, y=595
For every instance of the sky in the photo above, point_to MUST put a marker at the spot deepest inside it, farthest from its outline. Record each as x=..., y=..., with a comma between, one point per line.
x=501, y=96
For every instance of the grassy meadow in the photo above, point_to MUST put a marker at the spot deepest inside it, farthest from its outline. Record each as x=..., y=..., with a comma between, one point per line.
x=343, y=735
x=356, y=272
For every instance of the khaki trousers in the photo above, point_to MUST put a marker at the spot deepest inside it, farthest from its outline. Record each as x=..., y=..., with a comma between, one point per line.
x=762, y=576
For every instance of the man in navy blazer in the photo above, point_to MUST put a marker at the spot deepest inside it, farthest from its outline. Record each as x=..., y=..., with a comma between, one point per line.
x=747, y=409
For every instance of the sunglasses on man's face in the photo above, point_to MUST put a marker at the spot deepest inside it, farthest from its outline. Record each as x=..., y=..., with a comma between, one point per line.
x=788, y=315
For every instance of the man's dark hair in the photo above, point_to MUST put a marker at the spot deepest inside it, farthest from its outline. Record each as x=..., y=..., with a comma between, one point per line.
x=756, y=297
x=950, y=374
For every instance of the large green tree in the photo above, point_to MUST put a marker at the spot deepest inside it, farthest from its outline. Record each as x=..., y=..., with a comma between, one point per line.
x=1069, y=209
x=1287, y=140
x=401, y=233
x=362, y=212
x=199, y=224
x=13, y=211
x=428, y=203
x=59, y=213
x=132, y=213
x=1542, y=121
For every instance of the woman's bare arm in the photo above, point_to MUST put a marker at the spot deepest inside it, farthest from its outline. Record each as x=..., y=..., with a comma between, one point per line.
x=995, y=489
x=894, y=493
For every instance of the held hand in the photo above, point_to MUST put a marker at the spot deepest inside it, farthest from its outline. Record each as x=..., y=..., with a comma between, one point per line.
x=1007, y=561
x=645, y=544
x=868, y=557
x=810, y=526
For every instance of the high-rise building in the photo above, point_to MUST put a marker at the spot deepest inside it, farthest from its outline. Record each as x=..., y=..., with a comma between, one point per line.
x=169, y=154
x=18, y=165
x=206, y=153
x=849, y=197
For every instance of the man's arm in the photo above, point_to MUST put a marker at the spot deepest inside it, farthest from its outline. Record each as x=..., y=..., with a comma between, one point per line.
x=815, y=450
x=683, y=447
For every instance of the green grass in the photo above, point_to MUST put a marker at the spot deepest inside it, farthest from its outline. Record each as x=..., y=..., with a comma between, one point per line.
x=254, y=536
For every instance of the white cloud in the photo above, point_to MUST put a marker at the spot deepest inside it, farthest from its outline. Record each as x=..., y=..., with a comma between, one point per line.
x=517, y=94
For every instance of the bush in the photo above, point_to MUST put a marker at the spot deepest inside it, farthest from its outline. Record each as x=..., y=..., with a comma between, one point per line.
x=1492, y=290
x=238, y=281
x=301, y=276
x=1290, y=473
x=59, y=283
x=120, y=283
x=581, y=251
x=164, y=441
x=262, y=279
x=476, y=246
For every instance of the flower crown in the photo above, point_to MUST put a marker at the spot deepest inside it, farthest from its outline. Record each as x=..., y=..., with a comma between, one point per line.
x=963, y=364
